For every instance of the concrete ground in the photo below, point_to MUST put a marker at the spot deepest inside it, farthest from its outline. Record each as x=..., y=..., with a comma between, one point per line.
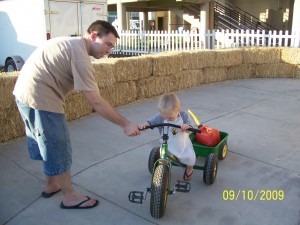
x=263, y=121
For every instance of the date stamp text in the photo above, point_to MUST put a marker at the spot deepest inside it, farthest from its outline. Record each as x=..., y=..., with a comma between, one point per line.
x=253, y=195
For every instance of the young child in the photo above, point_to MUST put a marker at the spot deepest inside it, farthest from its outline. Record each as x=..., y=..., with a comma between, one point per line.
x=179, y=143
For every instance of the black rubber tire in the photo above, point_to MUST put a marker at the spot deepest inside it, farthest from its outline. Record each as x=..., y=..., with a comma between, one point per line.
x=153, y=157
x=223, y=151
x=10, y=66
x=210, y=169
x=159, y=191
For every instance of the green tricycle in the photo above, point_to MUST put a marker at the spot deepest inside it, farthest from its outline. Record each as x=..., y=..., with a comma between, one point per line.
x=160, y=164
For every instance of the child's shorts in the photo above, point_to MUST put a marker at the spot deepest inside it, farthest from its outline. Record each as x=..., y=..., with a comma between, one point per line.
x=48, y=139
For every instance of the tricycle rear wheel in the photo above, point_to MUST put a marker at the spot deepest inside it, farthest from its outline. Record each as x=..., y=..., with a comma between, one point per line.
x=159, y=191
x=153, y=157
x=210, y=169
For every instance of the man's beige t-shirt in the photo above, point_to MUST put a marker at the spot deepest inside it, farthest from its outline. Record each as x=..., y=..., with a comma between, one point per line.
x=52, y=71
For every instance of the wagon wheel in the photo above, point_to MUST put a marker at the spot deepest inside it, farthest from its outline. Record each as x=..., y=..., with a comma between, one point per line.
x=159, y=191
x=210, y=169
x=153, y=157
x=223, y=150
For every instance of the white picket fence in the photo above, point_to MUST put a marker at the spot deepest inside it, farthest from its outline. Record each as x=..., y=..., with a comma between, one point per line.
x=151, y=42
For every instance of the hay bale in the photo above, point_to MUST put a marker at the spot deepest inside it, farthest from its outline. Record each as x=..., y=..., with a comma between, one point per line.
x=297, y=72
x=187, y=79
x=277, y=70
x=7, y=84
x=228, y=57
x=261, y=55
x=167, y=63
x=290, y=55
x=198, y=59
x=211, y=75
x=76, y=106
x=133, y=68
x=105, y=72
x=120, y=93
x=154, y=86
x=242, y=71
x=10, y=119
x=11, y=122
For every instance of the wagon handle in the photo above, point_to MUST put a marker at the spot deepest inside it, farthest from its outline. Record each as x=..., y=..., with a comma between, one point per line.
x=195, y=118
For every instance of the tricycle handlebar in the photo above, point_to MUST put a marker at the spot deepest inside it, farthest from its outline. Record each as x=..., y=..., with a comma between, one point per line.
x=171, y=125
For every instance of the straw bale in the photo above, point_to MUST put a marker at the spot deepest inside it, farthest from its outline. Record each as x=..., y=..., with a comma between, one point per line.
x=297, y=72
x=277, y=70
x=211, y=75
x=228, y=57
x=133, y=68
x=154, y=86
x=290, y=55
x=105, y=72
x=261, y=55
x=7, y=84
x=240, y=71
x=11, y=124
x=198, y=59
x=76, y=106
x=120, y=93
x=187, y=79
x=167, y=63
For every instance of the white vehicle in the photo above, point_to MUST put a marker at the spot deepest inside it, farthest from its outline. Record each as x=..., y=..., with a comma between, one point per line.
x=26, y=24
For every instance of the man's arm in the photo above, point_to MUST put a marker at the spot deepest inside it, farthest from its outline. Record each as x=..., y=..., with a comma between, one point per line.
x=108, y=112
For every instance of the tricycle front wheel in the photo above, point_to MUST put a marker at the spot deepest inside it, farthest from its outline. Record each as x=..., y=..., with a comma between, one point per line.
x=159, y=191
x=210, y=169
x=153, y=157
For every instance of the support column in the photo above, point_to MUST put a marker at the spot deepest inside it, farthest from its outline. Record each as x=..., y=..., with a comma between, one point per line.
x=127, y=16
x=296, y=20
x=296, y=16
x=204, y=17
x=180, y=21
x=121, y=12
x=211, y=15
x=169, y=21
x=146, y=18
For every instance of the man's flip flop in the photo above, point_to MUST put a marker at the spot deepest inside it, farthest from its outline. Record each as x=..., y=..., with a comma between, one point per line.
x=48, y=195
x=78, y=206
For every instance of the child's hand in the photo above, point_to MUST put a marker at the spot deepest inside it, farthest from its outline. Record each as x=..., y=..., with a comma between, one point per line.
x=142, y=126
x=184, y=127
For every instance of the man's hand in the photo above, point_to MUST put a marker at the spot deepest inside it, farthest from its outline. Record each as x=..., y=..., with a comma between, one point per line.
x=131, y=129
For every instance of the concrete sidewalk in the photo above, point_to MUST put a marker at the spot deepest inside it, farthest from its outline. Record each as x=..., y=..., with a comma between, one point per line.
x=262, y=119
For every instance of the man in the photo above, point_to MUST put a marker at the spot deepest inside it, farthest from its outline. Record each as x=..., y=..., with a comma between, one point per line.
x=51, y=72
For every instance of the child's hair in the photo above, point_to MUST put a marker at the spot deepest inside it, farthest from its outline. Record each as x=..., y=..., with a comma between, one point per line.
x=168, y=103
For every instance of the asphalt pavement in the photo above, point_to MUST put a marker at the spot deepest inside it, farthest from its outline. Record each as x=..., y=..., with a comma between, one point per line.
x=257, y=183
